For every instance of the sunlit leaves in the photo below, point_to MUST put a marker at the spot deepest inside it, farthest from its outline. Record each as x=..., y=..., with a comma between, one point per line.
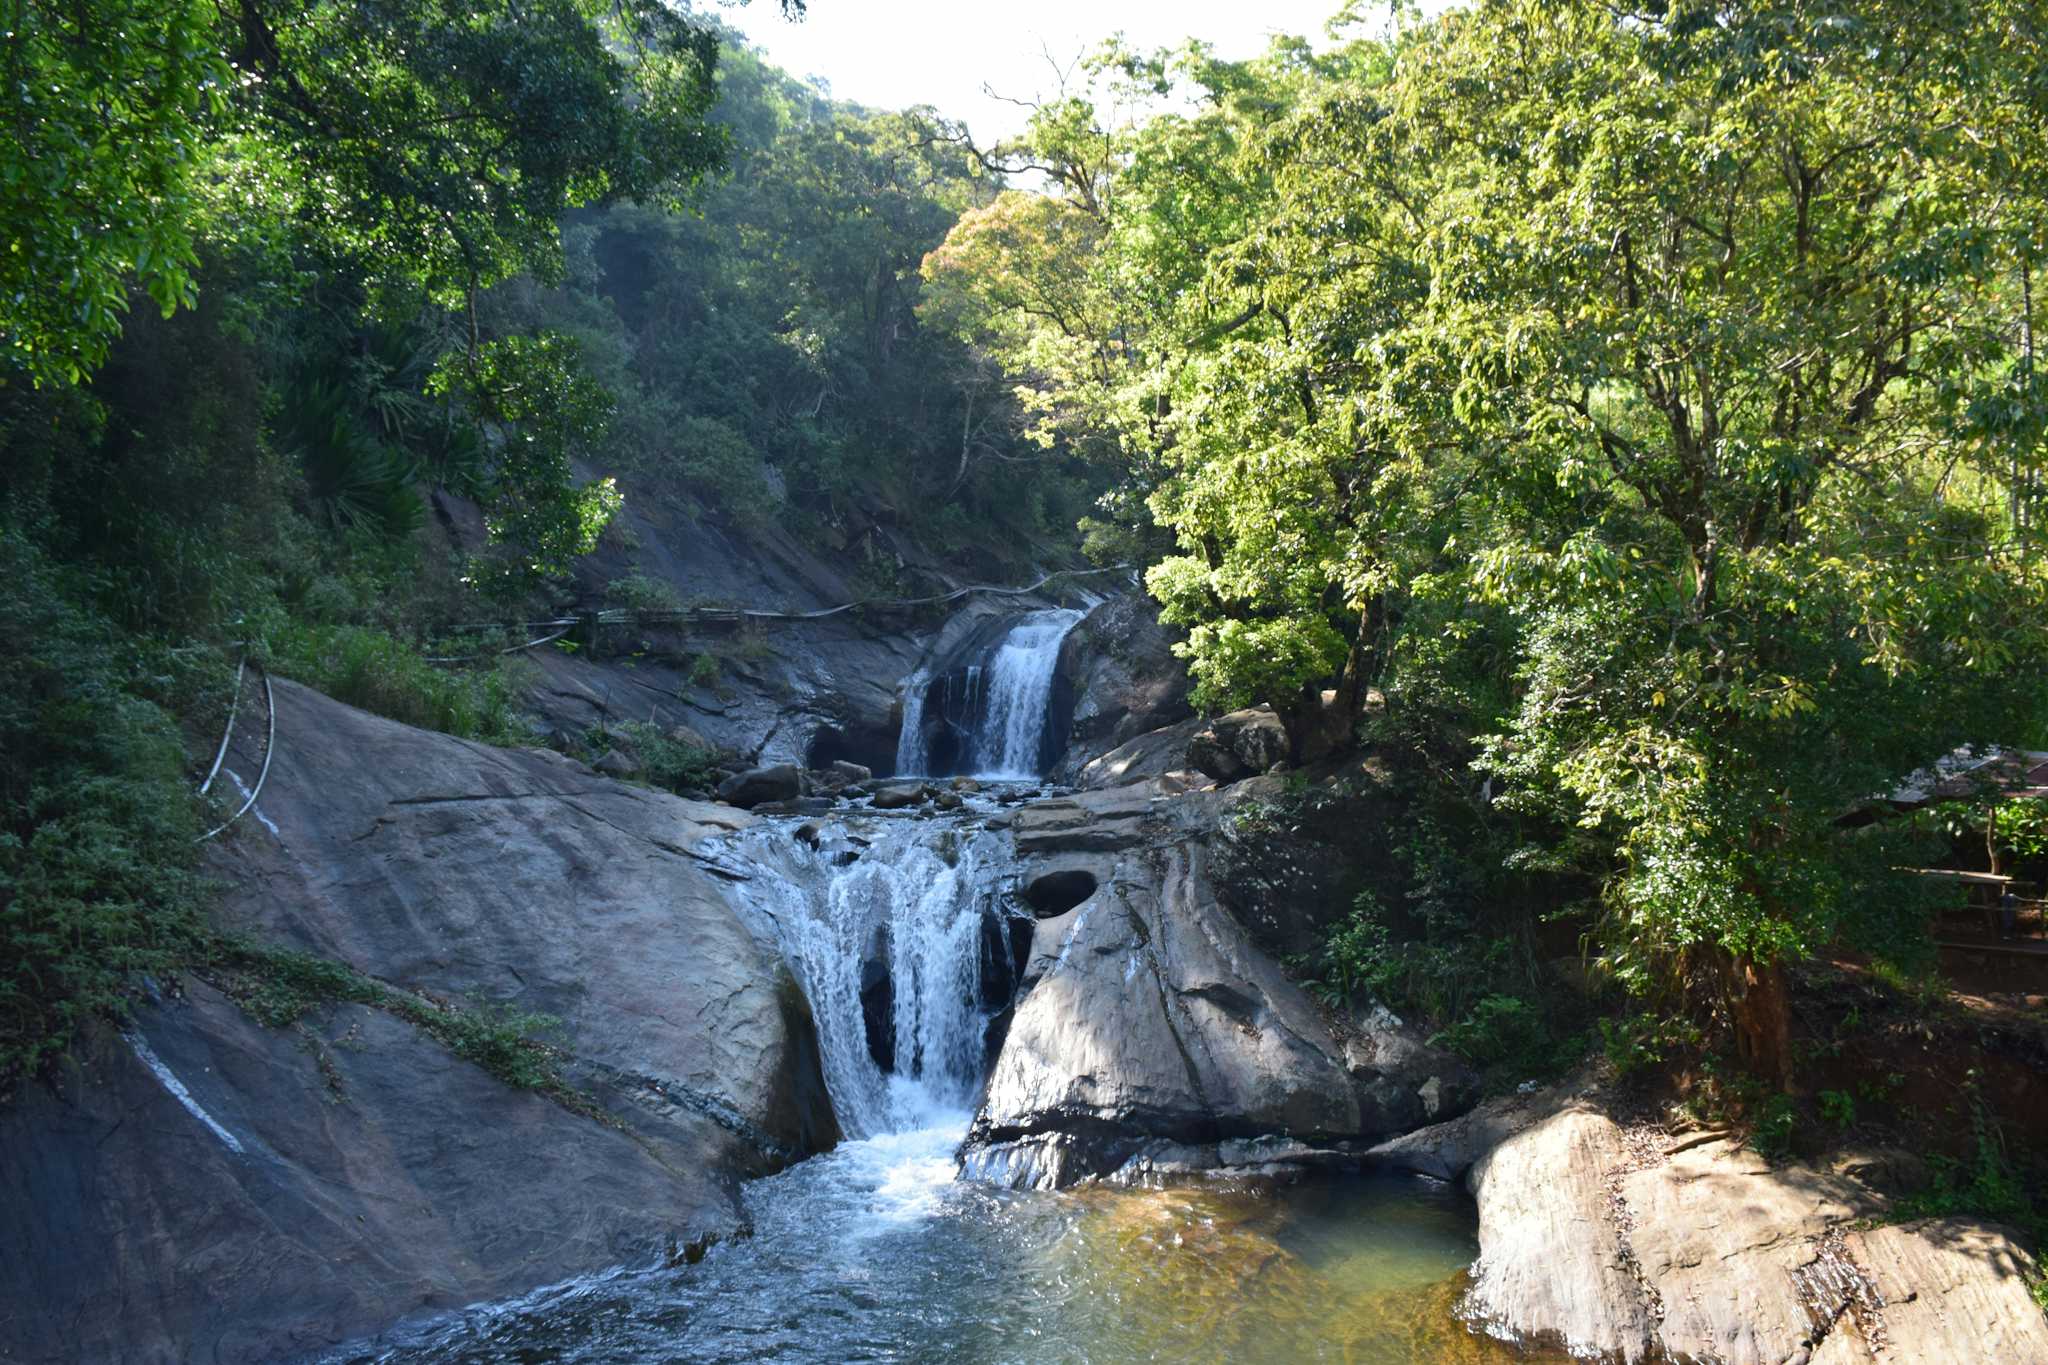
x=540, y=413
x=105, y=103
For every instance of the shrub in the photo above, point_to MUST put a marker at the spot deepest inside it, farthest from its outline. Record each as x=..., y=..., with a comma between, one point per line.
x=638, y=592
x=379, y=672
x=667, y=762
x=96, y=817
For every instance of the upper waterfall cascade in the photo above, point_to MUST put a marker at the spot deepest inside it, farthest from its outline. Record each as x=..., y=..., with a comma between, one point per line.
x=993, y=714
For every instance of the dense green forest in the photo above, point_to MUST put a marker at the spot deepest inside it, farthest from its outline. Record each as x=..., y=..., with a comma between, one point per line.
x=1625, y=418
x=275, y=280
x=1631, y=414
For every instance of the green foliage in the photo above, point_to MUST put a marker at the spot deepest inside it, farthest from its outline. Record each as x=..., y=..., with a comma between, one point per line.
x=371, y=668
x=354, y=480
x=279, y=987
x=637, y=592
x=1645, y=1041
x=96, y=817
x=2021, y=826
x=107, y=103
x=1774, y=1128
x=541, y=413
x=1838, y=1107
x=1986, y=1183
x=426, y=144
x=1671, y=366
x=668, y=762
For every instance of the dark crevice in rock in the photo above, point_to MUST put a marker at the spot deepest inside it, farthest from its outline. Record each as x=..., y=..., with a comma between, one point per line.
x=1055, y=893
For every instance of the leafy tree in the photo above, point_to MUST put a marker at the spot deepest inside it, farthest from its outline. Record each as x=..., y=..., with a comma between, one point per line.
x=1645, y=395
x=542, y=412
x=107, y=106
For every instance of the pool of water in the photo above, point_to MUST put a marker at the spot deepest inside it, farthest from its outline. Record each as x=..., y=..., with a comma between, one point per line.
x=873, y=1252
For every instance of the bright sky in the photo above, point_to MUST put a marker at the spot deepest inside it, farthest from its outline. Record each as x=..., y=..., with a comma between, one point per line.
x=891, y=54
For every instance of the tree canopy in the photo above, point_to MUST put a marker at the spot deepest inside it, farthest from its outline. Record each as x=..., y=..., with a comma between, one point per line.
x=1641, y=400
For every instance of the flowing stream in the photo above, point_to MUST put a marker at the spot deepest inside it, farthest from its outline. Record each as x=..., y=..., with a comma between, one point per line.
x=898, y=929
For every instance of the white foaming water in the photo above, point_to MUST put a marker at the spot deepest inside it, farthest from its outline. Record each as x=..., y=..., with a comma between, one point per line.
x=911, y=759
x=1008, y=702
x=1020, y=695
x=914, y=897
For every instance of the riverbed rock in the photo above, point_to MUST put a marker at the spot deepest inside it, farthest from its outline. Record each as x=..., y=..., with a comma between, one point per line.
x=1612, y=1241
x=1098, y=822
x=1152, y=1034
x=1239, y=745
x=849, y=772
x=900, y=795
x=780, y=782
x=366, y=1173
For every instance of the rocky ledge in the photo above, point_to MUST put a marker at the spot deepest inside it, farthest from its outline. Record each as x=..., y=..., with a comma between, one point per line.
x=1614, y=1240
x=1152, y=1039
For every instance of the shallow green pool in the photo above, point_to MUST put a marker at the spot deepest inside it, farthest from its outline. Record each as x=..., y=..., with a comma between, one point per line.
x=874, y=1253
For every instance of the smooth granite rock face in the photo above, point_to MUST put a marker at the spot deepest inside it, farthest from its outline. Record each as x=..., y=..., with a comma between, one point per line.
x=1153, y=1039
x=378, y=1175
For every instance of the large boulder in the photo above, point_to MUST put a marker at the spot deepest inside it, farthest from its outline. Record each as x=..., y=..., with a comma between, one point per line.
x=901, y=795
x=758, y=786
x=1150, y=757
x=269, y=1193
x=1153, y=1039
x=1239, y=745
x=1613, y=1241
x=1126, y=680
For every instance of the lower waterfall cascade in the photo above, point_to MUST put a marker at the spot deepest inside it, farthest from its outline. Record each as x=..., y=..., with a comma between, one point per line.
x=878, y=1249
x=908, y=932
x=896, y=931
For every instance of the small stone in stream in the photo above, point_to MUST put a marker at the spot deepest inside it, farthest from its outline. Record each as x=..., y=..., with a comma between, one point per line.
x=809, y=832
x=800, y=805
x=966, y=784
x=897, y=795
x=949, y=801
x=851, y=772
x=783, y=782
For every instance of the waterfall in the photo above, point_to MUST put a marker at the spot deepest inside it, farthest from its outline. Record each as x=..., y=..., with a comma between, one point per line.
x=1020, y=694
x=995, y=710
x=888, y=932
x=912, y=757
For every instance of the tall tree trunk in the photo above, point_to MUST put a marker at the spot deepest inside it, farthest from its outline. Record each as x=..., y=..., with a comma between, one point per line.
x=1759, y=998
x=1321, y=723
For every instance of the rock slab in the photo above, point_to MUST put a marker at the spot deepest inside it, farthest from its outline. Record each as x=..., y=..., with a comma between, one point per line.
x=353, y=1172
